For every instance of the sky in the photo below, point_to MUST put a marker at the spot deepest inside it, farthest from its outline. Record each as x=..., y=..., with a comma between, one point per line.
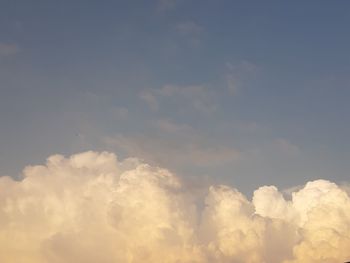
x=245, y=93
x=174, y=131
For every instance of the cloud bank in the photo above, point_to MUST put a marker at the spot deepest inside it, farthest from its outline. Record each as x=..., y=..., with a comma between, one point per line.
x=92, y=207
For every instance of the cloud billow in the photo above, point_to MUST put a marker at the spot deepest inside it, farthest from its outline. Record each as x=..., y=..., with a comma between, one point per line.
x=92, y=207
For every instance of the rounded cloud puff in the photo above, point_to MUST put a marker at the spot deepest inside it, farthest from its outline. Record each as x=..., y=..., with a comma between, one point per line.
x=92, y=207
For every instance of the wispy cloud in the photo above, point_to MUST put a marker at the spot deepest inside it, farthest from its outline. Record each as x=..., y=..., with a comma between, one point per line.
x=190, y=31
x=175, y=145
x=7, y=49
x=171, y=127
x=197, y=97
x=149, y=98
x=239, y=74
x=286, y=146
x=174, y=153
x=120, y=113
x=189, y=28
x=164, y=5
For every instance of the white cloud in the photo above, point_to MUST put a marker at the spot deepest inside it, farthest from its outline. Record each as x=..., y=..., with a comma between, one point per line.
x=92, y=207
x=8, y=49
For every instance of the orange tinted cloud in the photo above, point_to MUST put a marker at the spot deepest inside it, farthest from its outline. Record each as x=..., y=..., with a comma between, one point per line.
x=92, y=207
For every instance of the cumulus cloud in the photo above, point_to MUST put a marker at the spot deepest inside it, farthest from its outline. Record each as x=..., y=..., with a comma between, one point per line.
x=93, y=207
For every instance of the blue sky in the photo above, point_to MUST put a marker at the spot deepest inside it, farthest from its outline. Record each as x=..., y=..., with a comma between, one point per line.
x=239, y=92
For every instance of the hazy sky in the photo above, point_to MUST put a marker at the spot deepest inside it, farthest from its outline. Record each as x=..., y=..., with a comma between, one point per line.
x=241, y=92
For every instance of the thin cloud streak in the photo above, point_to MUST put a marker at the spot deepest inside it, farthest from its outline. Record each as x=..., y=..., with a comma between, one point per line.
x=197, y=97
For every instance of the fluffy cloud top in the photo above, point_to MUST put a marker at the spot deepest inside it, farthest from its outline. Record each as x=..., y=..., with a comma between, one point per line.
x=92, y=207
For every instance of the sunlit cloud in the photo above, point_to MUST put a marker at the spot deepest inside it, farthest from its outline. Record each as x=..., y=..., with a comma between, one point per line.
x=93, y=207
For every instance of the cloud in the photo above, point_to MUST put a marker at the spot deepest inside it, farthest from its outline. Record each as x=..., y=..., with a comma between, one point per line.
x=174, y=145
x=232, y=83
x=93, y=207
x=174, y=128
x=150, y=99
x=278, y=148
x=188, y=28
x=286, y=146
x=8, y=49
x=177, y=150
x=120, y=113
x=197, y=97
x=190, y=32
x=164, y=5
x=239, y=75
